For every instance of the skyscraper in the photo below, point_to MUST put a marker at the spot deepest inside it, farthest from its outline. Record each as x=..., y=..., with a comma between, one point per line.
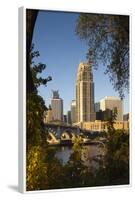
x=97, y=106
x=57, y=106
x=85, y=93
x=69, y=117
x=73, y=111
x=112, y=103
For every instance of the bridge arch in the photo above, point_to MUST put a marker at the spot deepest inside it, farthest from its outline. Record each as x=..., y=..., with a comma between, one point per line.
x=51, y=139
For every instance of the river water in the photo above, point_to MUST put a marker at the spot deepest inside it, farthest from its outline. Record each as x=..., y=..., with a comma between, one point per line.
x=88, y=153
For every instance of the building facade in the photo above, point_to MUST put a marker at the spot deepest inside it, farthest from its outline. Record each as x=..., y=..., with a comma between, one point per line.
x=57, y=106
x=100, y=126
x=65, y=119
x=69, y=117
x=126, y=117
x=97, y=106
x=73, y=111
x=85, y=93
x=112, y=103
x=48, y=115
x=104, y=115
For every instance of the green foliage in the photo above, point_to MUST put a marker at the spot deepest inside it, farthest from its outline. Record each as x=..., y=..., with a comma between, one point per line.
x=37, y=69
x=35, y=109
x=36, y=169
x=111, y=120
x=108, y=40
x=35, y=103
x=117, y=158
x=77, y=147
x=75, y=170
x=44, y=171
x=114, y=166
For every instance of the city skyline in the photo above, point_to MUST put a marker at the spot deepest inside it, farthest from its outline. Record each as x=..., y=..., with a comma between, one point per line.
x=62, y=56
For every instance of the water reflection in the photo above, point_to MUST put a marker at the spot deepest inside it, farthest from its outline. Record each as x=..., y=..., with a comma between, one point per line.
x=63, y=153
x=88, y=153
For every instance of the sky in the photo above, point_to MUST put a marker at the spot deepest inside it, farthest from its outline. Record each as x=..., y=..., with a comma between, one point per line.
x=62, y=51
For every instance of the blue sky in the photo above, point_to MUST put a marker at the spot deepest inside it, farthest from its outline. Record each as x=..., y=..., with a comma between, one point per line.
x=62, y=51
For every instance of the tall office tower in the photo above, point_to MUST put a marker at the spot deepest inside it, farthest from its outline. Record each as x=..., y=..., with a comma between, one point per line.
x=113, y=103
x=97, y=106
x=69, y=117
x=65, y=118
x=85, y=93
x=73, y=111
x=57, y=106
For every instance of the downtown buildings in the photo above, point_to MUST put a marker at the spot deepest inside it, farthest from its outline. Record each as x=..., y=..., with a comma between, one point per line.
x=87, y=111
x=113, y=103
x=55, y=111
x=84, y=112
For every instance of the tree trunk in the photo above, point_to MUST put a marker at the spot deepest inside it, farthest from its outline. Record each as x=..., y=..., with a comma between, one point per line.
x=31, y=16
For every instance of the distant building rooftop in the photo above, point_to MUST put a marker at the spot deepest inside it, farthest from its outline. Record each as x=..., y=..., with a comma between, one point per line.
x=55, y=94
x=111, y=98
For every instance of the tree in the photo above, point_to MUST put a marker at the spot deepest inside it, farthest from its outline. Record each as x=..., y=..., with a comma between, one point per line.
x=107, y=37
x=35, y=109
x=44, y=170
x=37, y=69
x=114, y=166
x=111, y=120
x=117, y=158
x=35, y=103
x=36, y=177
x=75, y=170
x=31, y=16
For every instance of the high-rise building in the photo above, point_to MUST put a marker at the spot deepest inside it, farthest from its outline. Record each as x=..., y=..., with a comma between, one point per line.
x=112, y=103
x=104, y=115
x=57, y=106
x=97, y=106
x=73, y=111
x=69, y=117
x=65, y=119
x=85, y=93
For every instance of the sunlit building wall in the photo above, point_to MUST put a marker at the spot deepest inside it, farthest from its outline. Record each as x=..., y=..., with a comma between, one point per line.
x=85, y=93
x=99, y=125
x=112, y=103
x=57, y=106
x=49, y=117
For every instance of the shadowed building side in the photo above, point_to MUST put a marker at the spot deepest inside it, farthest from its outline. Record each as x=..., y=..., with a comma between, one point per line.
x=73, y=111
